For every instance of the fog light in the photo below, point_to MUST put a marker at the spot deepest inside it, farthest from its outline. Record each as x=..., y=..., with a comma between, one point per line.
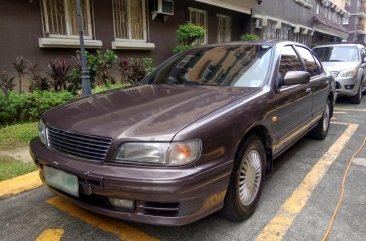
x=122, y=203
x=349, y=87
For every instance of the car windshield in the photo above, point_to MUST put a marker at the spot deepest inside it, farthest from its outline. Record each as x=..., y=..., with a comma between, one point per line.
x=337, y=54
x=237, y=66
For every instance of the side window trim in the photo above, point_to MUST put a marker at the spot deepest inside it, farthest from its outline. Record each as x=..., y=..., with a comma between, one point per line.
x=315, y=59
x=279, y=66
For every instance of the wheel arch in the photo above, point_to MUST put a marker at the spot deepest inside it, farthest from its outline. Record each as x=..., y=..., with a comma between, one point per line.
x=263, y=133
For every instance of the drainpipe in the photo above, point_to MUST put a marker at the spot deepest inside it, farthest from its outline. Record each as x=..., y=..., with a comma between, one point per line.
x=85, y=78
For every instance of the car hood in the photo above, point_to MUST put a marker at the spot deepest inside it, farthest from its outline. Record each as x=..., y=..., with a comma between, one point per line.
x=339, y=66
x=147, y=112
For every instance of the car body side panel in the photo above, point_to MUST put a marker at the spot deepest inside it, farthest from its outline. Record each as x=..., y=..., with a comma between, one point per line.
x=294, y=114
x=320, y=91
x=222, y=131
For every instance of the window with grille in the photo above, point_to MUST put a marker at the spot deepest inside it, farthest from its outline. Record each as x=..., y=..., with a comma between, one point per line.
x=224, y=28
x=129, y=18
x=199, y=17
x=269, y=31
x=60, y=18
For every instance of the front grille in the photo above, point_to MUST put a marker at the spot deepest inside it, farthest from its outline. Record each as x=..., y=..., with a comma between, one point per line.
x=335, y=74
x=78, y=145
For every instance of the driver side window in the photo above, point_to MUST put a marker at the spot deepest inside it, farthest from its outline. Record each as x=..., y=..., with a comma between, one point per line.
x=289, y=62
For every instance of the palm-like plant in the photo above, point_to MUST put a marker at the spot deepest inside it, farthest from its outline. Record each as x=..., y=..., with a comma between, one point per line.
x=6, y=82
x=34, y=71
x=20, y=67
x=124, y=66
x=59, y=73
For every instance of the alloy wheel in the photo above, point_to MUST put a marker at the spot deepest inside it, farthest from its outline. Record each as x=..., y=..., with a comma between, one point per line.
x=250, y=177
x=326, y=117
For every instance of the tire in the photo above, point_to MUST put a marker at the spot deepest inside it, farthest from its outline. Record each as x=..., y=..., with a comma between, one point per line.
x=248, y=174
x=321, y=130
x=356, y=99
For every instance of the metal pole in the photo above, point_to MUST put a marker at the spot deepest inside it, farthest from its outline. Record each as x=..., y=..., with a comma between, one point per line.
x=85, y=78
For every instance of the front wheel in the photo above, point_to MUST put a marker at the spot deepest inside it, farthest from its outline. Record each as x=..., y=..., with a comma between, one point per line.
x=321, y=130
x=246, y=181
x=356, y=99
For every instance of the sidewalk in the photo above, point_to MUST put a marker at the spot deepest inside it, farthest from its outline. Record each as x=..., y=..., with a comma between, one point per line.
x=21, y=154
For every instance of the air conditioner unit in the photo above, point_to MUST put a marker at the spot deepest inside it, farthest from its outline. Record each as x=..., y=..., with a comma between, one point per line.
x=165, y=7
x=258, y=23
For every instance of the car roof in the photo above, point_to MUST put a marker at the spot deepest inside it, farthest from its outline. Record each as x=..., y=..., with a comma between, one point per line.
x=339, y=45
x=254, y=42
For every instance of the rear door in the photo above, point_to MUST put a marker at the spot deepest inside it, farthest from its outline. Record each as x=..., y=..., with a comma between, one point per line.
x=319, y=82
x=294, y=102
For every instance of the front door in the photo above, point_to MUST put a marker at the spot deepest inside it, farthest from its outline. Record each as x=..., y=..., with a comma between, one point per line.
x=319, y=83
x=294, y=102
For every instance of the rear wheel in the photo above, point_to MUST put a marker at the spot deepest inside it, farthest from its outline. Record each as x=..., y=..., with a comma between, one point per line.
x=321, y=130
x=246, y=181
x=356, y=99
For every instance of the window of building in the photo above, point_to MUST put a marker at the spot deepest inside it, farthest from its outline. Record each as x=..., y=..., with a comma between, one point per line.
x=303, y=39
x=297, y=37
x=269, y=31
x=285, y=29
x=199, y=17
x=129, y=18
x=345, y=20
x=60, y=18
x=224, y=28
x=330, y=14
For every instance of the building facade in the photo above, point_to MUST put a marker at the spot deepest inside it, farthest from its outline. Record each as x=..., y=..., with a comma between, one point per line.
x=357, y=21
x=309, y=22
x=40, y=30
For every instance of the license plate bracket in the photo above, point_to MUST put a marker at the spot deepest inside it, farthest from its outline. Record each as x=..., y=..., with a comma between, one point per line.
x=61, y=180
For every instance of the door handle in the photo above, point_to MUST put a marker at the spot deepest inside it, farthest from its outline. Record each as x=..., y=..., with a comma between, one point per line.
x=308, y=91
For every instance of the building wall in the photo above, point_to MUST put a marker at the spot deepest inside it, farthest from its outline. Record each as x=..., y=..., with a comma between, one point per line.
x=287, y=10
x=21, y=27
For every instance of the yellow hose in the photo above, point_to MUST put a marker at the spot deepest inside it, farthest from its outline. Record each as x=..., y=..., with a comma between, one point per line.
x=342, y=191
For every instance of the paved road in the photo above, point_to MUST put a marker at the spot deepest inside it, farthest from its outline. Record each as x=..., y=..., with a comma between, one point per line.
x=297, y=202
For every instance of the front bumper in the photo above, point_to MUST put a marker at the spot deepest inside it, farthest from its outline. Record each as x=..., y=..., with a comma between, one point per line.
x=342, y=83
x=163, y=196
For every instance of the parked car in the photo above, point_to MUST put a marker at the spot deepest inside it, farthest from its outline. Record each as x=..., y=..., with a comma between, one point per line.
x=347, y=63
x=197, y=135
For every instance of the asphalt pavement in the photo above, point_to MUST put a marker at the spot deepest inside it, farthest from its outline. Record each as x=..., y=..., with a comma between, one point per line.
x=297, y=203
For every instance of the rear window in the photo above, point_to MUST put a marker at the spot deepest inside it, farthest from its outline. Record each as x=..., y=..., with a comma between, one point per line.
x=337, y=54
x=237, y=66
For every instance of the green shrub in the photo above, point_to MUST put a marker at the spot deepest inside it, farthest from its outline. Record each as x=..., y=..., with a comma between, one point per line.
x=189, y=35
x=103, y=88
x=249, y=37
x=148, y=63
x=24, y=107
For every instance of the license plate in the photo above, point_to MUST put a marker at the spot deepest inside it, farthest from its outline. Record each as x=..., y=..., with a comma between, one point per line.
x=61, y=180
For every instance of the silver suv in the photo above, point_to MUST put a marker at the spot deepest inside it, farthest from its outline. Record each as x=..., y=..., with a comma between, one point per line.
x=347, y=62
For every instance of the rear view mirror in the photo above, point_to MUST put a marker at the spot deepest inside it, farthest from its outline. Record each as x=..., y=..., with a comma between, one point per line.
x=296, y=77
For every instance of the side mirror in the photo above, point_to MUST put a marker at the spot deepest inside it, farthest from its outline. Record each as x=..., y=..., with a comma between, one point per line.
x=364, y=60
x=296, y=77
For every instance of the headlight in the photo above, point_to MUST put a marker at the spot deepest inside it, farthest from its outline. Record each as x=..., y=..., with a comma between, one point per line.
x=42, y=132
x=166, y=154
x=348, y=73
